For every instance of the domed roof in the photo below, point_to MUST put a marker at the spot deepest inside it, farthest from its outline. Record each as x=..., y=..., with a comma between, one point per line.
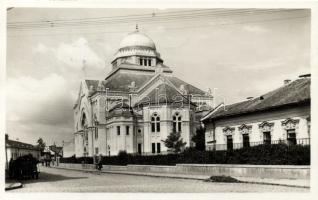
x=137, y=39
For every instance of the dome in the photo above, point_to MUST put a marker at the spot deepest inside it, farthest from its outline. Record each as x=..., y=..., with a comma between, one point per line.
x=137, y=39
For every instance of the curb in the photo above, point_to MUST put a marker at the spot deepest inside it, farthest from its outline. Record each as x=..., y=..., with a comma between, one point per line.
x=153, y=175
x=276, y=184
x=180, y=177
x=133, y=174
x=18, y=185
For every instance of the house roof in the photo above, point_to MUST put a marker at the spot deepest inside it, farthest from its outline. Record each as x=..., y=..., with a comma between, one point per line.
x=56, y=149
x=120, y=81
x=190, y=88
x=20, y=145
x=164, y=93
x=296, y=92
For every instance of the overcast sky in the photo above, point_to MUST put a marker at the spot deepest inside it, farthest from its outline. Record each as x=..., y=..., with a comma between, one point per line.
x=240, y=55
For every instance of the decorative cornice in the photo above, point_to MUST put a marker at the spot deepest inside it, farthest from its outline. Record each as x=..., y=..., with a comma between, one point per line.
x=265, y=123
x=244, y=126
x=228, y=130
x=289, y=120
x=290, y=123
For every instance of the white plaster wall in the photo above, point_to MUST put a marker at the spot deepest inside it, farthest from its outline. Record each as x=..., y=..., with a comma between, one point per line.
x=275, y=117
x=78, y=145
x=15, y=152
x=122, y=141
x=166, y=113
x=100, y=142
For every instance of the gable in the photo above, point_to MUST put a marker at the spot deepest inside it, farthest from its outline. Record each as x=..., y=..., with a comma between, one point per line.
x=163, y=93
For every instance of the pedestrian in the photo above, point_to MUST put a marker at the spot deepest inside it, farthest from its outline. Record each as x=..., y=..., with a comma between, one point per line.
x=99, y=162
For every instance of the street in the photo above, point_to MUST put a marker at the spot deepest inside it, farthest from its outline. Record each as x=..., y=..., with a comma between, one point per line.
x=61, y=180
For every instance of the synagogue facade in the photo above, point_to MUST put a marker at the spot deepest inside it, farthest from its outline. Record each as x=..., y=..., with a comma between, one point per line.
x=137, y=105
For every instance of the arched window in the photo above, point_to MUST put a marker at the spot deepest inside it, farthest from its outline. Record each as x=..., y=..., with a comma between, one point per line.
x=155, y=123
x=84, y=121
x=177, y=122
x=84, y=127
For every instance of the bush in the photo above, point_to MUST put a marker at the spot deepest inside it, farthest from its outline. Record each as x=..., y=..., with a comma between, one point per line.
x=277, y=154
x=123, y=157
x=223, y=179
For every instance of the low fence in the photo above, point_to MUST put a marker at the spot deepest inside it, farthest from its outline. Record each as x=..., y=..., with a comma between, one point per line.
x=233, y=146
x=257, y=171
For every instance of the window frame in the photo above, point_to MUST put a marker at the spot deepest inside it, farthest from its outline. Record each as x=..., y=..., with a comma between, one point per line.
x=246, y=143
x=158, y=148
x=267, y=137
x=155, y=123
x=127, y=130
x=96, y=133
x=153, y=147
x=291, y=140
x=229, y=146
x=96, y=150
x=177, y=122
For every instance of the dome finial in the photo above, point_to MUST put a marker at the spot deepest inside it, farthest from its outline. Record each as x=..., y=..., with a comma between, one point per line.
x=137, y=27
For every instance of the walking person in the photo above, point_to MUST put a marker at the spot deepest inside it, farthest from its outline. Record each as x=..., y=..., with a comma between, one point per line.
x=99, y=163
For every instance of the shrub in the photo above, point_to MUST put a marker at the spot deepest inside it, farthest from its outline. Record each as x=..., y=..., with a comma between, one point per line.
x=223, y=179
x=278, y=154
x=123, y=157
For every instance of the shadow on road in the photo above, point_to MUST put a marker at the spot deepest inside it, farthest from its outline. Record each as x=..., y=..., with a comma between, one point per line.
x=47, y=177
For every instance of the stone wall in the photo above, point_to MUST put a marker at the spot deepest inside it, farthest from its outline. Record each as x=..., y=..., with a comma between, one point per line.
x=256, y=171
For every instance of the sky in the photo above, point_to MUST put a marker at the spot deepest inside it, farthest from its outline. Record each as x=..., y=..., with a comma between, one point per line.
x=240, y=55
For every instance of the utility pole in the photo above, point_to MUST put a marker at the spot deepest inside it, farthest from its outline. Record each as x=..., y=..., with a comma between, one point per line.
x=6, y=140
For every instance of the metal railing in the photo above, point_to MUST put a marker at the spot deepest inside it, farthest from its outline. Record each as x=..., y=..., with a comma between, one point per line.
x=216, y=147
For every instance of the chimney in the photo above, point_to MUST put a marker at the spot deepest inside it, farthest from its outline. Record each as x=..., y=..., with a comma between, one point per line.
x=7, y=137
x=286, y=81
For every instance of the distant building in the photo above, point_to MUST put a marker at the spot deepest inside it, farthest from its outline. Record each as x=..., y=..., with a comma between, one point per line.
x=138, y=105
x=56, y=151
x=52, y=152
x=15, y=149
x=281, y=115
x=68, y=148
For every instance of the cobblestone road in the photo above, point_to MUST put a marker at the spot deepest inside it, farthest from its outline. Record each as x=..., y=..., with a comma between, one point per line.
x=61, y=180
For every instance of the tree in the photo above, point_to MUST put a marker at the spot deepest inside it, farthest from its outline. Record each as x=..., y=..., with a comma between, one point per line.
x=41, y=144
x=199, y=139
x=174, y=142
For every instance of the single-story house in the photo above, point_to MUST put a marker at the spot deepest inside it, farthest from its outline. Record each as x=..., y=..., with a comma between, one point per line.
x=279, y=116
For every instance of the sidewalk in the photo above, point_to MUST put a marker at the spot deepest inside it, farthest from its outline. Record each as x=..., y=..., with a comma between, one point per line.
x=12, y=184
x=303, y=183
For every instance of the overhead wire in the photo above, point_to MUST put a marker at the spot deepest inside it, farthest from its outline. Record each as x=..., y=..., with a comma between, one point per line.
x=128, y=16
x=173, y=28
x=51, y=24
